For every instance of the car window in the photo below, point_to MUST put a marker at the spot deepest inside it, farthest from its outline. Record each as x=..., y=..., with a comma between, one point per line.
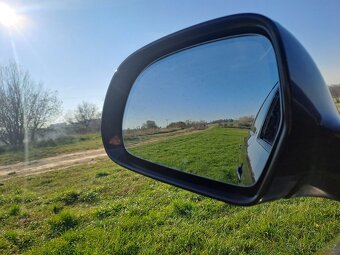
x=263, y=112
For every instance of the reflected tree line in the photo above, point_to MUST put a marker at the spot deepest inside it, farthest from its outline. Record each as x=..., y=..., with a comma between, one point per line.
x=151, y=126
x=335, y=92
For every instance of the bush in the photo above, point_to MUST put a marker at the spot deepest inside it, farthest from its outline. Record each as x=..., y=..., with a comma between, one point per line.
x=70, y=197
x=108, y=211
x=11, y=236
x=55, y=142
x=89, y=197
x=2, y=149
x=47, y=143
x=101, y=174
x=14, y=210
x=56, y=208
x=62, y=222
x=21, y=240
x=183, y=208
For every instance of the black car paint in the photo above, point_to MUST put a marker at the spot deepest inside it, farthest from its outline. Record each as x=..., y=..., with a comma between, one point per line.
x=303, y=160
x=309, y=160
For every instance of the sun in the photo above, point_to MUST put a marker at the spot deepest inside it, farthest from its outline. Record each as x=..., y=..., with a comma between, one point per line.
x=8, y=17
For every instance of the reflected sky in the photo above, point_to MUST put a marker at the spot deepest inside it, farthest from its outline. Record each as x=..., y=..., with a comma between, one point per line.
x=222, y=79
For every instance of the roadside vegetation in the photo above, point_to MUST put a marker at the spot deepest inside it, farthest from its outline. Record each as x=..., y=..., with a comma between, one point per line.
x=51, y=147
x=28, y=112
x=104, y=209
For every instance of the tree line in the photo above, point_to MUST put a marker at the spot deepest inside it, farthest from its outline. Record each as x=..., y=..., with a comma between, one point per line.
x=26, y=107
x=151, y=124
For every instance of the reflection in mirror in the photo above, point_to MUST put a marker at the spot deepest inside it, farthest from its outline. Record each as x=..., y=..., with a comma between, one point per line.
x=335, y=92
x=194, y=110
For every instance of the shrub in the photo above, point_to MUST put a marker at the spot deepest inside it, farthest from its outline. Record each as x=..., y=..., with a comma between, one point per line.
x=57, y=141
x=56, y=208
x=14, y=210
x=108, y=211
x=89, y=197
x=2, y=149
x=70, y=197
x=20, y=239
x=11, y=236
x=47, y=143
x=183, y=208
x=101, y=174
x=62, y=222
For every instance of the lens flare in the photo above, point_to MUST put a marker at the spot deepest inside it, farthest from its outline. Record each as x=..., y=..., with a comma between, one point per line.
x=8, y=17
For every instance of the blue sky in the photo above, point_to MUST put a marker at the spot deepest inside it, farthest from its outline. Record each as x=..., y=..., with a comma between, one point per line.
x=224, y=79
x=75, y=46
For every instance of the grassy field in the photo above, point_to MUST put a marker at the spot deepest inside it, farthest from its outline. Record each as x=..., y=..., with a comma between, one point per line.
x=52, y=148
x=214, y=153
x=101, y=208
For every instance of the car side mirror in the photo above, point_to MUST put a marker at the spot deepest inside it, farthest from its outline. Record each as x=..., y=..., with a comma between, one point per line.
x=233, y=108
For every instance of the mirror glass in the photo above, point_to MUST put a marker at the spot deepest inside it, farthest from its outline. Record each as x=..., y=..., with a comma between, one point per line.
x=194, y=110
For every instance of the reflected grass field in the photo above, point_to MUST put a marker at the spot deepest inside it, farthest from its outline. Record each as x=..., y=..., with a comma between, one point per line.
x=215, y=153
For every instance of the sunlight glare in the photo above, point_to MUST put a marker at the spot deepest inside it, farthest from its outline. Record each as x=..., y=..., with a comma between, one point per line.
x=8, y=17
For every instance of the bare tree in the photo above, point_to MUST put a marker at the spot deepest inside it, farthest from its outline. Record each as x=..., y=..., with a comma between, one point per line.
x=25, y=106
x=85, y=114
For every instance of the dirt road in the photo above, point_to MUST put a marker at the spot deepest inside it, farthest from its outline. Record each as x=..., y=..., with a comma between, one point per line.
x=50, y=164
x=67, y=160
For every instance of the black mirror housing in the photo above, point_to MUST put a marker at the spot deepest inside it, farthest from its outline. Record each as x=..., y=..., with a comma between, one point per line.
x=303, y=161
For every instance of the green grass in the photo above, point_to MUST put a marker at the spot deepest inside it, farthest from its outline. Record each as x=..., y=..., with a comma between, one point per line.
x=53, y=148
x=74, y=211
x=214, y=153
